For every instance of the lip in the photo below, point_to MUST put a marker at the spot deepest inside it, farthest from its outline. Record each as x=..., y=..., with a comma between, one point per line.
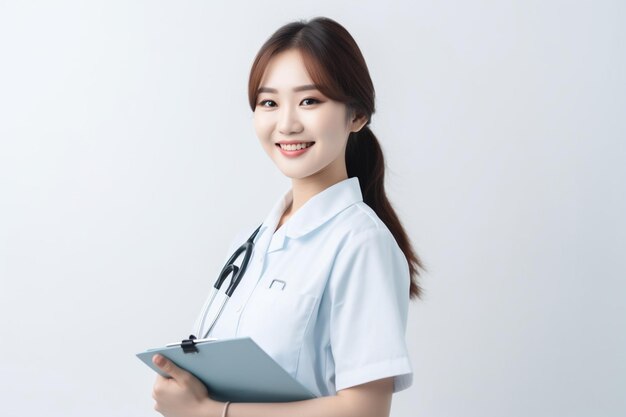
x=292, y=154
x=292, y=142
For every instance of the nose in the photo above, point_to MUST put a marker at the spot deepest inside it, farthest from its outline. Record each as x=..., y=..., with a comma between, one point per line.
x=289, y=122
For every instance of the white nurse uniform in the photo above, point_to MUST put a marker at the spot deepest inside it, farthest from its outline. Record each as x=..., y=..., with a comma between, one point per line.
x=326, y=295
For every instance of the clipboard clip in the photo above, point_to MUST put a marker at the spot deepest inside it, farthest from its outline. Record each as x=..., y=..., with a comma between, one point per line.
x=189, y=345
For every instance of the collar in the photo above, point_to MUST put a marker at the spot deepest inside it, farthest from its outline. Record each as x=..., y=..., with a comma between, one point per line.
x=315, y=212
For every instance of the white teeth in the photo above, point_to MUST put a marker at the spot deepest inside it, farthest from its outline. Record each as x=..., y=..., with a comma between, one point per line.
x=295, y=146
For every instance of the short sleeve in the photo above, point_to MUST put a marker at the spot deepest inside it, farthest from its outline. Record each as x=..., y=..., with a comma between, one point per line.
x=369, y=292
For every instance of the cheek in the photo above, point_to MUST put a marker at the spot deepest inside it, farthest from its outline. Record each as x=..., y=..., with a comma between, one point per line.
x=332, y=127
x=262, y=127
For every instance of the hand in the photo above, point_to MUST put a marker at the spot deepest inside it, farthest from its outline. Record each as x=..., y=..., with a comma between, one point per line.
x=183, y=394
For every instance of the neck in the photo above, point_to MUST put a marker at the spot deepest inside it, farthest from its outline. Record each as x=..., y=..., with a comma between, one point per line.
x=304, y=188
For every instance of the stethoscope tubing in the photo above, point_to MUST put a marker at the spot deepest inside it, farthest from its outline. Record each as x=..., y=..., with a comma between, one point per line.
x=228, y=269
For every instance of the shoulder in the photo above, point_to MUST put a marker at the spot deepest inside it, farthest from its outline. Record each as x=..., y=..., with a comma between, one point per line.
x=366, y=253
x=362, y=234
x=359, y=225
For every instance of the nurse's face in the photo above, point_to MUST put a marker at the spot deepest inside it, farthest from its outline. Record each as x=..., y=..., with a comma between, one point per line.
x=304, y=132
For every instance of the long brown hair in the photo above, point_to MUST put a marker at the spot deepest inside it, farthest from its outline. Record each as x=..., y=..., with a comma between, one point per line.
x=337, y=67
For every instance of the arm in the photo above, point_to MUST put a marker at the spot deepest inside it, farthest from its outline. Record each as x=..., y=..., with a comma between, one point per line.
x=372, y=399
x=369, y=290
x=184, y=395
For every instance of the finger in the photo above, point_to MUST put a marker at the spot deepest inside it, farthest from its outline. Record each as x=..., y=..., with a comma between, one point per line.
x=168, y=366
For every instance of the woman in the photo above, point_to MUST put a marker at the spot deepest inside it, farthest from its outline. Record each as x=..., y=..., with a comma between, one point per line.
x=327, y=288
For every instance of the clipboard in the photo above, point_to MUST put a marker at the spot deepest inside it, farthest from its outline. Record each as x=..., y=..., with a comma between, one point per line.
x=234, y=369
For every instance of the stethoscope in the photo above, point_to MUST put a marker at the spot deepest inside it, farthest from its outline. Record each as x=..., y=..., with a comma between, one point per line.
x=237, y=274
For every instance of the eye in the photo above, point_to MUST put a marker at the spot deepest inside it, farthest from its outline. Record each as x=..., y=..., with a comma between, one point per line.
x=312, y=100
x=263, y=102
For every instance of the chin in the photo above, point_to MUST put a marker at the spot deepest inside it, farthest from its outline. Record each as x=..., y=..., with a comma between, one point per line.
x=295, y=175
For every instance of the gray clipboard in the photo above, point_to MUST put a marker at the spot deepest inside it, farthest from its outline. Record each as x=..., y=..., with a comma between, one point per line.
x=233, y=370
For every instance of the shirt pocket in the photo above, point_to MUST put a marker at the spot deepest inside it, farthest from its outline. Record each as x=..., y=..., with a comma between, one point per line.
x=277, y=320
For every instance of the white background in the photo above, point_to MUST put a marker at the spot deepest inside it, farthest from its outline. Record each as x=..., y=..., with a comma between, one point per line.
x=128, y=161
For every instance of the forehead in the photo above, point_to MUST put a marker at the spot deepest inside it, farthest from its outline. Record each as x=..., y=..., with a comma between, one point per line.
x=286, y=69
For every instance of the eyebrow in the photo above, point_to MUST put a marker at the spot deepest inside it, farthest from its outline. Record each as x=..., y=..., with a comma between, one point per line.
x=295, y=89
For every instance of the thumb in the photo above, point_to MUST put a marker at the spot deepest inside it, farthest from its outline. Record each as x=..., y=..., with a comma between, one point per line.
x=168, y=366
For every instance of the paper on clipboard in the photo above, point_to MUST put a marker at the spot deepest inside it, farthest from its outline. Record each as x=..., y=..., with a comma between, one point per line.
x=234, y=369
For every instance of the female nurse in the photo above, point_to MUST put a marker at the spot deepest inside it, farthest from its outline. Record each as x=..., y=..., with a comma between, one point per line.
x=327, y=288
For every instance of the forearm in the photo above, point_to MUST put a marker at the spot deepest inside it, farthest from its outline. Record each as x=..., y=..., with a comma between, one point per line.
x=325, y=406
x=369, y=400
x=184, y=394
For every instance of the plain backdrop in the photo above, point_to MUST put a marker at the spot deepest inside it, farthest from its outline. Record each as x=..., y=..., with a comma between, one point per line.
x=128, y=161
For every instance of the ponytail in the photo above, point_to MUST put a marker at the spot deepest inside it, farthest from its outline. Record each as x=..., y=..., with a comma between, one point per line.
x=364, y=159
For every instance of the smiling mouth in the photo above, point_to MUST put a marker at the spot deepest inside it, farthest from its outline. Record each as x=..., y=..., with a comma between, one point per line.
x=295, y=146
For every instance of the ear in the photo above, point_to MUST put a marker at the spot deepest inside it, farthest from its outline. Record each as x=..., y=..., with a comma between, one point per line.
x=358, y=122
